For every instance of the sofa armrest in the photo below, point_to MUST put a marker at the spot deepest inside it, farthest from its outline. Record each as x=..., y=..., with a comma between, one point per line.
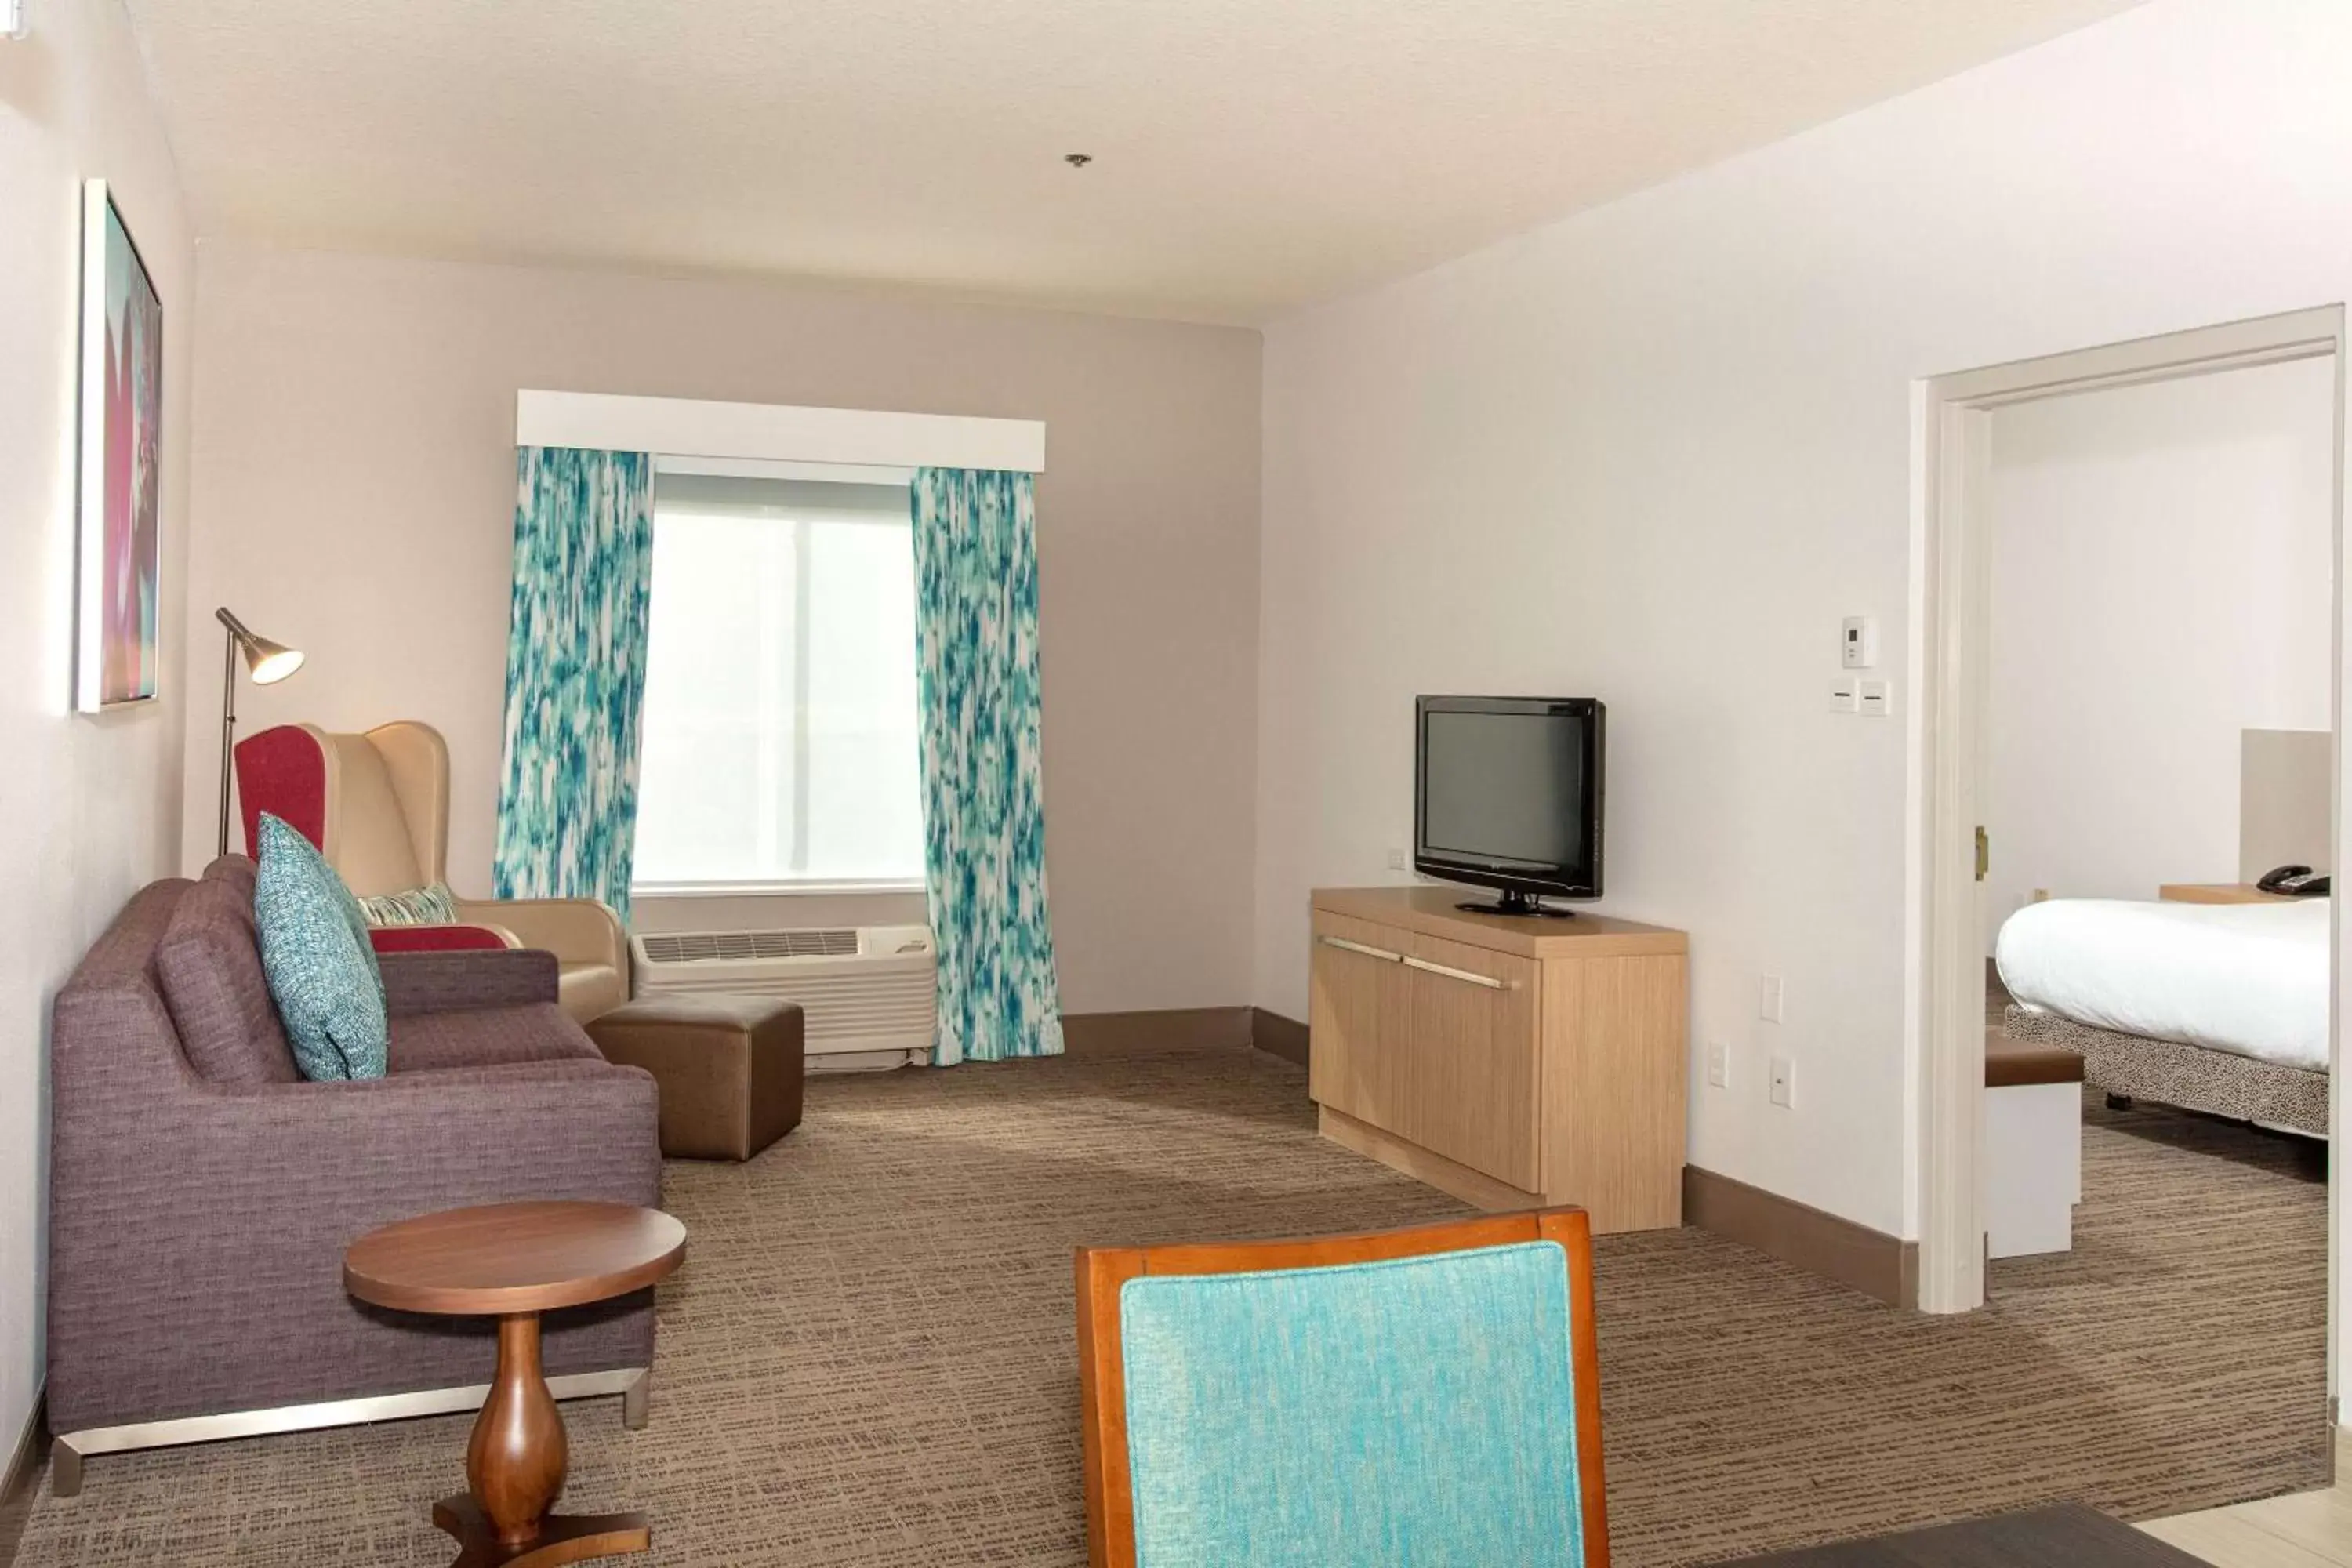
x=577, y=930
x=455, y=982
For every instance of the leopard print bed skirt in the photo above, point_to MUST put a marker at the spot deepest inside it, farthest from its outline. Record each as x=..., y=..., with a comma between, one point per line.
x=2190, y=1077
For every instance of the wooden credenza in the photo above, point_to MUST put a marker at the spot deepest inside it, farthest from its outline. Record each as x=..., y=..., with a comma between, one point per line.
x=1506, y=1060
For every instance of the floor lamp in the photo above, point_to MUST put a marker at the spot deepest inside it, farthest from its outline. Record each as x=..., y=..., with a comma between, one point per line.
x=269, y=663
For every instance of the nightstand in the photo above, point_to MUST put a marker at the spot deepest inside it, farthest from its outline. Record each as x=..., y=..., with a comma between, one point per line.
x=2219, y=893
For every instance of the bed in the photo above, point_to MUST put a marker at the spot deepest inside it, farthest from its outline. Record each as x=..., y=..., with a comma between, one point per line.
x=2215, y=1007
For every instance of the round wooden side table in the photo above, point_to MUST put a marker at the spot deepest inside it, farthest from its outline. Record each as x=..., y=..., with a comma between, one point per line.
x=512, y=1262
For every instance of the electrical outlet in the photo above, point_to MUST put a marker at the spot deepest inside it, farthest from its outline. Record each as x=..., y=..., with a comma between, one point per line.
x=1718, y=1066
x=1784, y=1083
x=1768, y=999
x=1396, y=859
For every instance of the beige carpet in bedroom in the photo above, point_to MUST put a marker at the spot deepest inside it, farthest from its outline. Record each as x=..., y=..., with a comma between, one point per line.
x=867, y=1359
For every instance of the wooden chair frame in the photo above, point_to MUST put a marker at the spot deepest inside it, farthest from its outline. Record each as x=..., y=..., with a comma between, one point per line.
x=1102, y=1379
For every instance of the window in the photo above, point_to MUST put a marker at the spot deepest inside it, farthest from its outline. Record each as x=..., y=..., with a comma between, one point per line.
x=779, y=721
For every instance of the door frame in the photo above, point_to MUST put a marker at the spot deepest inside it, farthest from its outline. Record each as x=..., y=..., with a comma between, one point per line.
x=1950, y=624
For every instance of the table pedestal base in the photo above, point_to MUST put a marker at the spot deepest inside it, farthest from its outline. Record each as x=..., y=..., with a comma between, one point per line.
x=516, y=1463
x=562, y=1538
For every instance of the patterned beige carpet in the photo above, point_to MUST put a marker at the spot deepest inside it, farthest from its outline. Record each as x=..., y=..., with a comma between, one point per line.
x=867, y=1359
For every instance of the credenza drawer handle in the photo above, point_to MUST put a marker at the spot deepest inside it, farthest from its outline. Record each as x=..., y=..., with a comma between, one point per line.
x=1344, y=945
x=1488, y=981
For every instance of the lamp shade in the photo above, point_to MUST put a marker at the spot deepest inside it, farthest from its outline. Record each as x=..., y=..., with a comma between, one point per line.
x=268, y=662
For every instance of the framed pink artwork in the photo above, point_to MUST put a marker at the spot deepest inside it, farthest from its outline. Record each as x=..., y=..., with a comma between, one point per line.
x=118, y=565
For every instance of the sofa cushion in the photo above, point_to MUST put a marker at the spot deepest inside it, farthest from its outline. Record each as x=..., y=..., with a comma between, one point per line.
x=315, y=951
x=238, y=871
x=210, y=973
x=486, y=1036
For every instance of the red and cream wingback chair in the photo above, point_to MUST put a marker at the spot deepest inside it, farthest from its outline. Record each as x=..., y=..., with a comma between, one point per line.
x=377, y=805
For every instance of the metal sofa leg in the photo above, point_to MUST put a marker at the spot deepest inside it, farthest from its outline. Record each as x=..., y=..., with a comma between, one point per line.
x=70, y=1450
x=65, y=1468
x=636, y=1400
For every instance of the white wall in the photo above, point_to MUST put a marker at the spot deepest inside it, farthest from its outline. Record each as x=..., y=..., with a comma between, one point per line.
x=2162, y=580
x=354, y=497
x=92, y=806
x=1653, y=453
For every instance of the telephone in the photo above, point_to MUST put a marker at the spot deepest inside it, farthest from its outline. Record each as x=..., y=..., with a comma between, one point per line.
x=2296, y=882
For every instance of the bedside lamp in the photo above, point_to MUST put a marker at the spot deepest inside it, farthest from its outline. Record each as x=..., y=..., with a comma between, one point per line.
x=269, y=663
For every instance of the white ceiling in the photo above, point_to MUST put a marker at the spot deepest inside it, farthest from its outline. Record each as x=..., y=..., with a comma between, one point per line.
x=1250, y=155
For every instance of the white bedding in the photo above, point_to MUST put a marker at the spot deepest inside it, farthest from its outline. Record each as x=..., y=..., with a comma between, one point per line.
x=2246, y=978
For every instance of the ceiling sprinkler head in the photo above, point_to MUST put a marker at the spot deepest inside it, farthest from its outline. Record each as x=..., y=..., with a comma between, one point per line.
x=1077, y=159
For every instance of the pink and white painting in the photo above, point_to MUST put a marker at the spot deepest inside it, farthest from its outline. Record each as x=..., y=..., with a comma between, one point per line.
x=117, y=638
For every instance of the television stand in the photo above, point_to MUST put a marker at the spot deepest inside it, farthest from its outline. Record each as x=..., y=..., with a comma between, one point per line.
x=1510, y=1063
x=1510, y=902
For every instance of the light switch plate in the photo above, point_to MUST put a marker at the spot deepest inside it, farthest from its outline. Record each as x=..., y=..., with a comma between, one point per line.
x=1784, y=1083
x=1873, y=699
x=1767, y=998
x=11, y=18
x=1845, y=695
x=1718, y=1066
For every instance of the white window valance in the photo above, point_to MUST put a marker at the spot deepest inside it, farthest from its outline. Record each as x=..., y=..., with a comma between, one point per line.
x=777, y=432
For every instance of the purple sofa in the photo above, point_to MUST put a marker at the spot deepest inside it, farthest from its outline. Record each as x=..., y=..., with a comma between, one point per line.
x=201, y=1192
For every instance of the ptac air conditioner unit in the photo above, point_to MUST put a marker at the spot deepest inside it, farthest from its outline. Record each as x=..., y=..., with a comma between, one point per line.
x=869, y=993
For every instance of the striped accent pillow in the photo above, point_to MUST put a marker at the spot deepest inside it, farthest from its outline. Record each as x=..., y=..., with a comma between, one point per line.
x=431, y=905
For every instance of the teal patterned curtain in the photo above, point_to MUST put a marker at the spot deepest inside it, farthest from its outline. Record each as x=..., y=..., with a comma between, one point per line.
x=983, y=788
x=583, y=546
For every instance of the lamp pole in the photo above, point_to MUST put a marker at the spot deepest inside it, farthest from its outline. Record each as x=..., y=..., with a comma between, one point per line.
x=228, y=732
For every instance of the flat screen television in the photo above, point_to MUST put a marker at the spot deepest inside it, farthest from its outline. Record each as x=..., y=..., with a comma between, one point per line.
x=1506, y=795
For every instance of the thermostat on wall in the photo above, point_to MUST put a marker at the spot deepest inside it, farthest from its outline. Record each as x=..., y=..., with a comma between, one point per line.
x=1858, y=642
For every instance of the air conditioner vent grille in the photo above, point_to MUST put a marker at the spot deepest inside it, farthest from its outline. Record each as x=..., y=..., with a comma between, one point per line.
x=708, y=946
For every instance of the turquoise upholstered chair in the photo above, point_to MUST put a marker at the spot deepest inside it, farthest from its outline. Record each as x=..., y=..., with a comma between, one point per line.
x=1405, y=1398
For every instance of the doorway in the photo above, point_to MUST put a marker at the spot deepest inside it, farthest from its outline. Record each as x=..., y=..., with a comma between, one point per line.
x=1951, y=674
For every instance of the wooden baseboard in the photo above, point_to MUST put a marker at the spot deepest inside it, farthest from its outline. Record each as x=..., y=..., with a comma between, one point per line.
x=1164, y=1030
x=1432, y=1169
x=1867, y=1260
x=1278, y=1036
x=22, y=1479
x=1185, y=1029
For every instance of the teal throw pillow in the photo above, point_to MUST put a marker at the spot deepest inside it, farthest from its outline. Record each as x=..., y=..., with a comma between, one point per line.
x=431, y=905
x=315, y=951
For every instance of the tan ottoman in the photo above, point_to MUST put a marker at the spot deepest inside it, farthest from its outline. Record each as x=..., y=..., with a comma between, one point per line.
x=729, y=1068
